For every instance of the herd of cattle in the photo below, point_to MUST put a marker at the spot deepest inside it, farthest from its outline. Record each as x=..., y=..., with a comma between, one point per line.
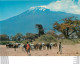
x=10, y=45
x=37, y=46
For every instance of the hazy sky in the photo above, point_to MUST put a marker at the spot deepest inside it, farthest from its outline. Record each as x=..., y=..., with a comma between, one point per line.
x=10, y=8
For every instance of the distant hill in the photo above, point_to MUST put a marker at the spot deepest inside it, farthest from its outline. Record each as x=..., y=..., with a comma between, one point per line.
x=25, y=22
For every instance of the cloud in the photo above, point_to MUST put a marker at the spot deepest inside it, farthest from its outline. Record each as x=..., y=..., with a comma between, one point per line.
x=79, y=2
x=68, y=6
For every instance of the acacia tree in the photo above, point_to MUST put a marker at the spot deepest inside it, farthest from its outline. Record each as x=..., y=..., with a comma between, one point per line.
x=68, y=27
x=40, y=29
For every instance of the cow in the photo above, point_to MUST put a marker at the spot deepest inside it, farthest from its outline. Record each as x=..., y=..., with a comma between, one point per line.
x=9, y=45
x=32, y=46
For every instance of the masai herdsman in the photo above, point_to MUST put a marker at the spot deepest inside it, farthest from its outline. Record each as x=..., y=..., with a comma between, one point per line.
x=60, y=48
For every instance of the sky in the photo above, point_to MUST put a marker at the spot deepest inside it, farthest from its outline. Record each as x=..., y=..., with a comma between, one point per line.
x=68, y=6
x=10, y=8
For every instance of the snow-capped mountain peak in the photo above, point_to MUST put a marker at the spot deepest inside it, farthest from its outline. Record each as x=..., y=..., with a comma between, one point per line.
x=37, y=8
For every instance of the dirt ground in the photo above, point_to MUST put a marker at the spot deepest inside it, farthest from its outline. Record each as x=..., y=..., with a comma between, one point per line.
x=67, y=50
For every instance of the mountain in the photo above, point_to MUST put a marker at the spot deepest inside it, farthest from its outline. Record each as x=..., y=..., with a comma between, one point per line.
x=26, y=21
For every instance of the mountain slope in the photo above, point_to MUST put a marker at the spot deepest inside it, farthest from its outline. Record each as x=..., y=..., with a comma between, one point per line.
x=25, y=22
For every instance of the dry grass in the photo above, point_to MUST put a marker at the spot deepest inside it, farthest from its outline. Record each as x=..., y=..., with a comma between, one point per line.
x=67, y=50
x=70, y=48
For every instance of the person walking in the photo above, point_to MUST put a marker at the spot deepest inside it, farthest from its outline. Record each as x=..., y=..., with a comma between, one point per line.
x=28, y=48
x=60, y=47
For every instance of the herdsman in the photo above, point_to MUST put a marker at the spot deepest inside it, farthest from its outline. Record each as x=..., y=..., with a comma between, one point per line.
x=28, y=48
x=60, y=48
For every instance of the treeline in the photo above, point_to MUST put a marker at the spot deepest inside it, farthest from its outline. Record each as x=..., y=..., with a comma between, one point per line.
x=69, y=29
x=21, y=37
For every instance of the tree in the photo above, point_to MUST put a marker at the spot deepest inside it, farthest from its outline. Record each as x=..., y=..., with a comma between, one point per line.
x=51, y=32
x=47, y=38
x=30, y=36
x=78, y=34
x=17, y=37
x=13, y=38
x=68, y=27
x=40, y=29
x=4, y=37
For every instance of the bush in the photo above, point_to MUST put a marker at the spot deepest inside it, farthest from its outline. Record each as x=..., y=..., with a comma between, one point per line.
x=46, y=38
x=4, y=42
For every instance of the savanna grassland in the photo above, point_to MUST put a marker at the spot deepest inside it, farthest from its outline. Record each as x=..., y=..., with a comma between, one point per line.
x=68, y=33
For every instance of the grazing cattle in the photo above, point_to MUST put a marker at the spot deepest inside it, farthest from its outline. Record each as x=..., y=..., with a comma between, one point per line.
x=16, y=45
x=9, y=45
x=22, y=46
x=48, y=46
x=55, y=45
x=40, y=46
x=25, y=46
x=51, y=45
x=36, y=46
x=32, y=46
x=43, y=46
